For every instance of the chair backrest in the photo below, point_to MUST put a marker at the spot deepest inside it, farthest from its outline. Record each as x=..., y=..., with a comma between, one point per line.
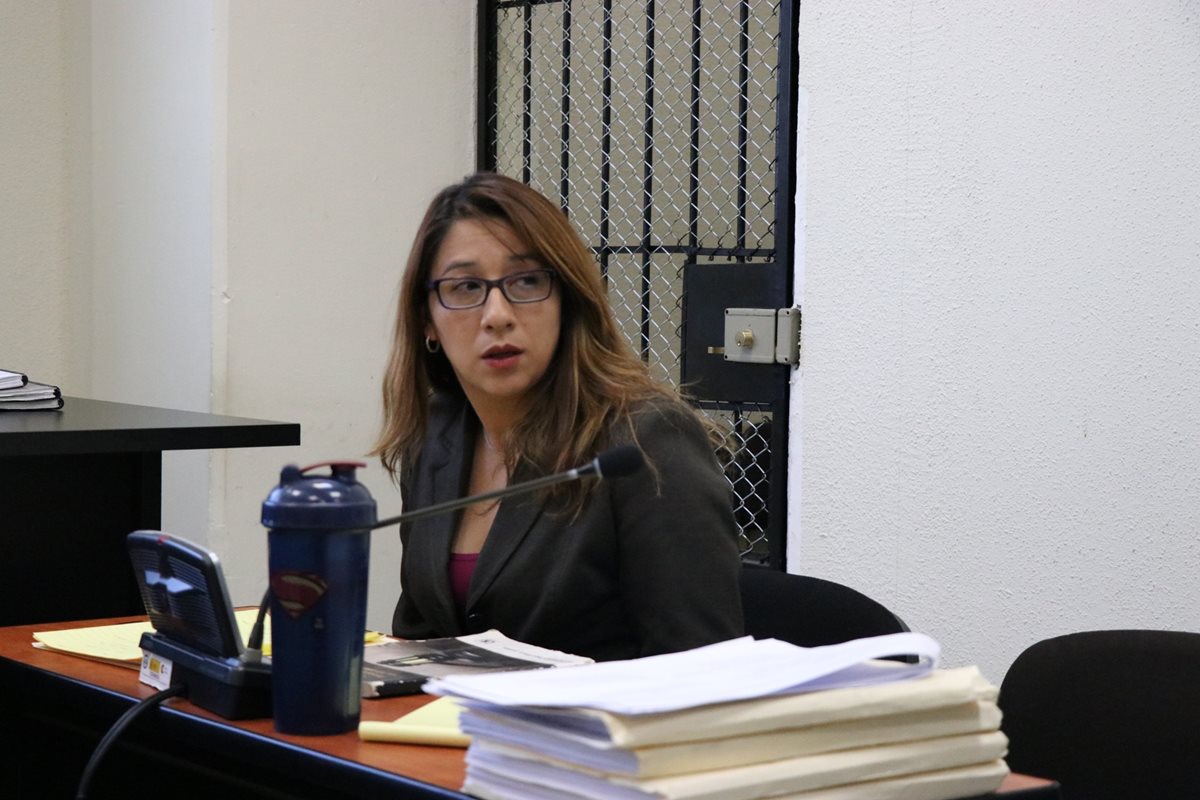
x=810, y=611
x=1108, y=714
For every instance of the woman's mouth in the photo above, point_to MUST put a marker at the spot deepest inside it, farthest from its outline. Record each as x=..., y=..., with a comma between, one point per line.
x=501, y=356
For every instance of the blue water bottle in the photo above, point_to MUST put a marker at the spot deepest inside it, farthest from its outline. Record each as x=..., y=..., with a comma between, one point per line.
x=319, y=546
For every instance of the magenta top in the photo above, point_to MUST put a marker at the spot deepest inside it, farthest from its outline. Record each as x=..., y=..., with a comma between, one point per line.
x=462, y=566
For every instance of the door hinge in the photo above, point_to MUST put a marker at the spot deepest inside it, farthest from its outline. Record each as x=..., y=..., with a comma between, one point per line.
x=761, y=335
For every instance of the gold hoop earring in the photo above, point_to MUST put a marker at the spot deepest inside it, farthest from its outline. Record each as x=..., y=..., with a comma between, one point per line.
x=432, y=345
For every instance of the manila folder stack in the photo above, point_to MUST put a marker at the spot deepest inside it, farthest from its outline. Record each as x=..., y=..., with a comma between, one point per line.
x=929, y=735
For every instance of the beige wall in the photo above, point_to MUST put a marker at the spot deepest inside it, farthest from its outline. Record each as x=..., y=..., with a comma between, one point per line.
x=207, y=204
x=343, y=119
x=1001, y=435
x=42, y=285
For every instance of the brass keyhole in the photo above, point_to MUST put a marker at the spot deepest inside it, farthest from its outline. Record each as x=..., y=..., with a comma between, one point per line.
x=744, y=338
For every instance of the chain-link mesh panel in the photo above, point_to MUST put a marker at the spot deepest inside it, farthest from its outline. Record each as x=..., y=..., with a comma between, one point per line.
x=746, y=453
x=654, y=125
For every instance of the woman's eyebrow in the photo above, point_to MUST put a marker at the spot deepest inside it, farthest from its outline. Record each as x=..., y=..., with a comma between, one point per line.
x=466, y=263
x=460, y=264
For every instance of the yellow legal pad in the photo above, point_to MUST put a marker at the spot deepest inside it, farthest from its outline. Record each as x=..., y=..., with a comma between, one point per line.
x=432, y=723
x=119, y=644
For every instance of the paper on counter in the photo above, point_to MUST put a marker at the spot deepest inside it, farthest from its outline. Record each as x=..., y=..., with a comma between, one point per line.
x=121, y=643
x=112, y=643
x=767, y=779
x=433, y=723
x=737, y=669
x=722, y=749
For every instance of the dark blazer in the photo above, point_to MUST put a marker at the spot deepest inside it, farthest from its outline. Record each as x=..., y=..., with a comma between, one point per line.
x=649, y=565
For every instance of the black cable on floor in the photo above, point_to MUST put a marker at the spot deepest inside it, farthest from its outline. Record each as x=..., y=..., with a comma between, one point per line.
x=120, y=725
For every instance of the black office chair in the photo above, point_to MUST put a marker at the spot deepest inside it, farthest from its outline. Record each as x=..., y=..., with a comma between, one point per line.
x=1108, y=714
x=810, y=611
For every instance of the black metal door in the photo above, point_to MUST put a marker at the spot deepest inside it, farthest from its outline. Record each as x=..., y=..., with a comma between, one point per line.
x=666, y=130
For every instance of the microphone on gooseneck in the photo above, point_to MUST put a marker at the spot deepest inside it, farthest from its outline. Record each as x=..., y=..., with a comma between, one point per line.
x=615, y=463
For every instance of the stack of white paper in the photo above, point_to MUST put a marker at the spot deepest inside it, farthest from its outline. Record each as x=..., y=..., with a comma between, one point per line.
x=740, y=719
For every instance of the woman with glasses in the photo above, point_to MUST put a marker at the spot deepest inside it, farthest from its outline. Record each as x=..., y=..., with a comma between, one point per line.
x=506, y=365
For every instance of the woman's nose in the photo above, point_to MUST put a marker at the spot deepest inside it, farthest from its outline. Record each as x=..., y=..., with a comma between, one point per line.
x=497, y=311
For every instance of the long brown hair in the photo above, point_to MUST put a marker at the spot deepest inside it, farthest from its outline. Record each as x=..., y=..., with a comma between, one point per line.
x=595, y=378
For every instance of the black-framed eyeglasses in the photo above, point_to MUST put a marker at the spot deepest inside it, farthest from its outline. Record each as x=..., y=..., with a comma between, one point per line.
x=520, y=287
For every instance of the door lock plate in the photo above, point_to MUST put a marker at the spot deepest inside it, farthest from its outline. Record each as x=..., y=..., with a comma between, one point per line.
x=762, y=335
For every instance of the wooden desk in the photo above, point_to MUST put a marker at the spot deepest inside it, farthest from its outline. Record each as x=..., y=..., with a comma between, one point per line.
x=54, y=708
x=75, y=482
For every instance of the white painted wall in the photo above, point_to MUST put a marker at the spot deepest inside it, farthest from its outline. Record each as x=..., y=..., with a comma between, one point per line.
x=151, y=164
x=343, y=119
x=1002, y=316
x=207, y=205
x=104, y=218
x=36, y=110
